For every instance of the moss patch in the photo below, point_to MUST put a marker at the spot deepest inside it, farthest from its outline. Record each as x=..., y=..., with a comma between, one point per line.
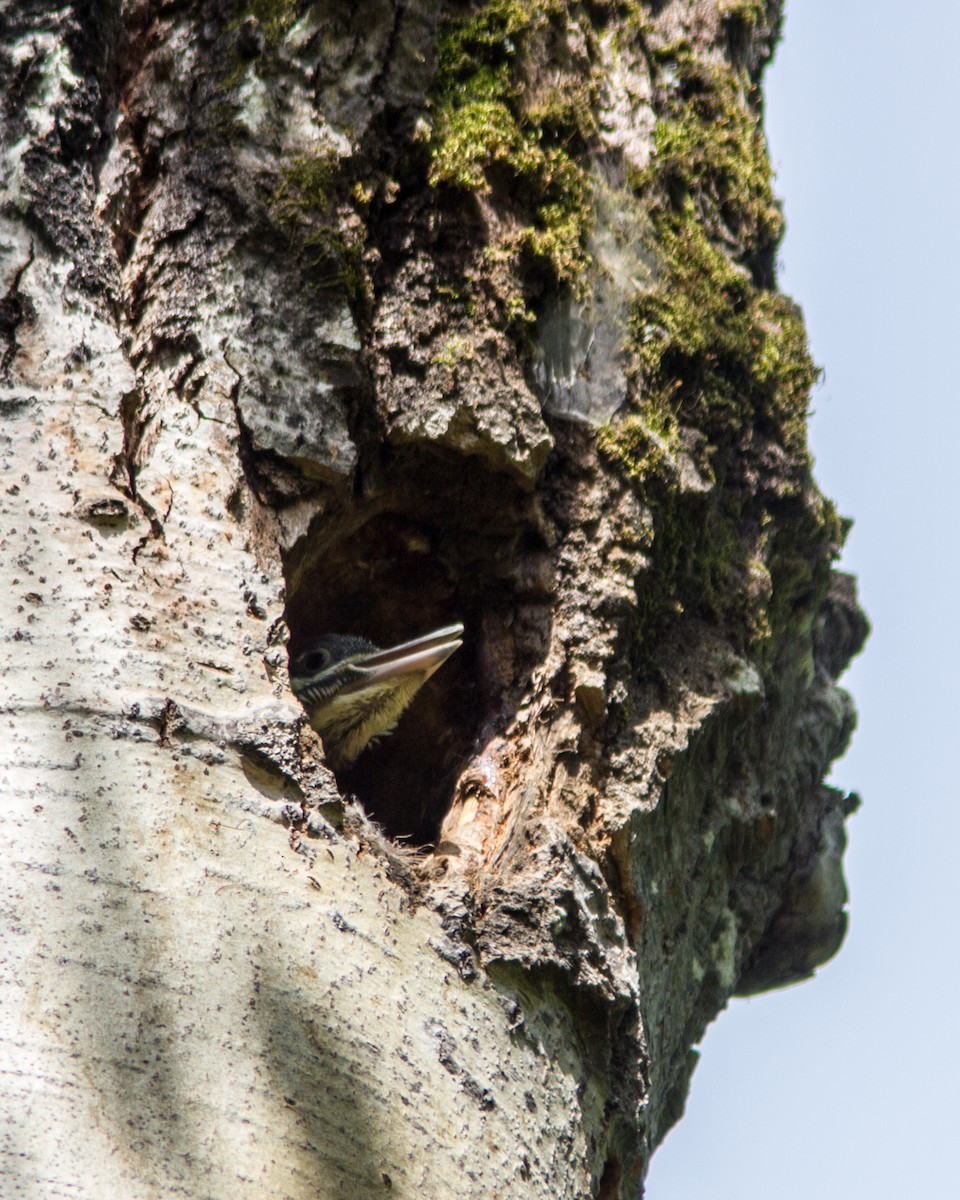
x=644, y=447
x=710, y=149
x=714, y=349
x=748, y=14
x=806, y=540
x=712, y=346
x=487, y=124
x=330, y=236
x=307, y=186
x=275, y=17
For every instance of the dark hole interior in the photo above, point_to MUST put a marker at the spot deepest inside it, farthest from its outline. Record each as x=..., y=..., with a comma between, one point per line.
x=433, y=541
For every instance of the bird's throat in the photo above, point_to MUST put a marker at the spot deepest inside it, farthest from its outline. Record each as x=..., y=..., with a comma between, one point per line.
x=350, y=721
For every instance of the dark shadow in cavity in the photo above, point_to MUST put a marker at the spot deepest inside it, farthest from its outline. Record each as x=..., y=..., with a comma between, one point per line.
x=435, y=539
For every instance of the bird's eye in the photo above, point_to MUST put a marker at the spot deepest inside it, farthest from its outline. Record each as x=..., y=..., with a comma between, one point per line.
x=316, y=660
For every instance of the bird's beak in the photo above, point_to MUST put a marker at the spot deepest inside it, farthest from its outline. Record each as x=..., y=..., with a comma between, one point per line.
x=420, y=657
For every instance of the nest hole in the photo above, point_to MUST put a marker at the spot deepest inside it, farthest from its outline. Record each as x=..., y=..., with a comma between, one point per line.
x=454, y=545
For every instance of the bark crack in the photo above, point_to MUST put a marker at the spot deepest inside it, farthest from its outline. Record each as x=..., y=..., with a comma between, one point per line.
x=14, y=308
x=125, y=473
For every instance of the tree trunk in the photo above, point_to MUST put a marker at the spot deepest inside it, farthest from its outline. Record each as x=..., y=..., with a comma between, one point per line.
x=370, y=318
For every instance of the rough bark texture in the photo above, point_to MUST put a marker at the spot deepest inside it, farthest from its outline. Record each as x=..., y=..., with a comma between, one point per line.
x=371, y=317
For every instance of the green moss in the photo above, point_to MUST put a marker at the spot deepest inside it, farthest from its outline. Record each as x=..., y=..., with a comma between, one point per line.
x=712, y=149
x=275, y=17
x=306, y=187
x=698, y=568
x=564, y=218
x=709, y=562
x=565, y=114
x=700, y=552
x=806, y=539
x=715, y=352
x=710, y=344
x=714, y=349
x=691, y=332
x=710, y=559
x=471, y=138
x=782, y=371
x=707, y=340
x=305, y=207
x=749, y=14
x=485, y=125
x=724, y=558
x=477, y=55
x=644, y=446
x=455, y=351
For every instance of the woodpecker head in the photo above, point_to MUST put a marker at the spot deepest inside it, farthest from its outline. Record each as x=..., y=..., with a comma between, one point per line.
x=355, y=693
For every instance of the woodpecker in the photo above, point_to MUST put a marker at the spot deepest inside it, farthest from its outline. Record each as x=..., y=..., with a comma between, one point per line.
x=355, y=693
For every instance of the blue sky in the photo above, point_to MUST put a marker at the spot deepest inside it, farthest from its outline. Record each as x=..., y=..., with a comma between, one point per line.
x=845, y=1087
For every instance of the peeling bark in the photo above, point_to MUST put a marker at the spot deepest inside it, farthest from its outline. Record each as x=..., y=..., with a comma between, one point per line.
x=370, y=318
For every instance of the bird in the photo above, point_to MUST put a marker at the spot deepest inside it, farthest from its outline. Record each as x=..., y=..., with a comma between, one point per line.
x=355, y=693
